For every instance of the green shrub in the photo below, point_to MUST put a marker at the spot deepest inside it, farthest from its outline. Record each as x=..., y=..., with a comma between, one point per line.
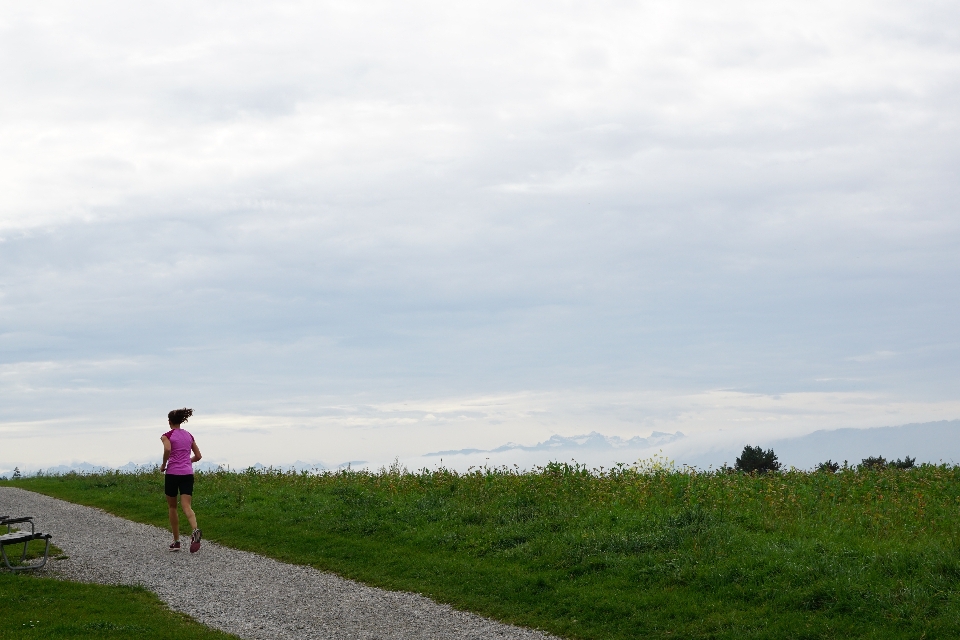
x=873, y=463
x=906, y=463
x=829, y=466
x=756, y=460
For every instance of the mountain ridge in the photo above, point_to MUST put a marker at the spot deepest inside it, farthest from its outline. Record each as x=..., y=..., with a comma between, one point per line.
x=593, y=440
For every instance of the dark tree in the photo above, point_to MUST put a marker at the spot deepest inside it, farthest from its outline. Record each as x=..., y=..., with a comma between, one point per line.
x=874, y=462
x=756, y=459
x=16, y=473
x=906, y=463
x=829, y=466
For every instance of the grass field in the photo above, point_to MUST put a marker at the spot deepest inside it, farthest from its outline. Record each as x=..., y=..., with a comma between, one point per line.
x=32, y=607
x=622, y=554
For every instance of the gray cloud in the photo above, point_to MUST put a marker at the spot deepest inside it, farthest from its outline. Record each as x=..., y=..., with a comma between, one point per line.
x=256, y=205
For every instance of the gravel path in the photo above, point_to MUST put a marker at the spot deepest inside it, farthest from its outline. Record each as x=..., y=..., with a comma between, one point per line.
x=239, y=592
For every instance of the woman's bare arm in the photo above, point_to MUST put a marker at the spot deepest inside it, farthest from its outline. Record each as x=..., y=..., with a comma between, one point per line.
x=196, y=452
x=166, y=452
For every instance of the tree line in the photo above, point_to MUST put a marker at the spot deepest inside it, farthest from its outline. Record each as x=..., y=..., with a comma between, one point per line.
x=756, y=460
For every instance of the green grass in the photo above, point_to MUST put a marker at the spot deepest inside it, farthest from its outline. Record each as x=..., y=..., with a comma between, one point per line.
x=35, y=607
x=622, y=554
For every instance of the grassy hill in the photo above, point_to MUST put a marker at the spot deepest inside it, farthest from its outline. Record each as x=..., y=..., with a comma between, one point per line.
x=619, y=554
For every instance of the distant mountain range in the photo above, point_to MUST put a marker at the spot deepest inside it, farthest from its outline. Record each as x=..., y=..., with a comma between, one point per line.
x=132, y=467
x=86, y=467
x=932, y=442
x=590, y=442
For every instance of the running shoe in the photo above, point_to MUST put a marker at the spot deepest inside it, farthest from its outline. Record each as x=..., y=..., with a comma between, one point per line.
x=195, y=541
x=175, y=545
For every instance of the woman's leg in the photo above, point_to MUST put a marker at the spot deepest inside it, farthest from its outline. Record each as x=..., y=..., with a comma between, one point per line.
x=174, y=516
x=186, y=502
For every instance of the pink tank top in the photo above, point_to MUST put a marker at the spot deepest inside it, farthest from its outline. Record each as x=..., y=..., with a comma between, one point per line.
x=181, y=443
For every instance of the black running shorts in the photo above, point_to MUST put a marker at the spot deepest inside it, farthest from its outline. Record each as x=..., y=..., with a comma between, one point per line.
x=182, y=484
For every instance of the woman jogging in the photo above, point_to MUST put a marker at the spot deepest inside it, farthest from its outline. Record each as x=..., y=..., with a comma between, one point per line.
x=177, y=446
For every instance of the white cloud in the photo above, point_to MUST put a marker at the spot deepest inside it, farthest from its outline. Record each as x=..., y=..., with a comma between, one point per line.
x=272, y=208
x=378, y=432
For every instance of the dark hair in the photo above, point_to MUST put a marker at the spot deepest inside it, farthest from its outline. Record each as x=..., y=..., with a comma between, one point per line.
x=179, y=416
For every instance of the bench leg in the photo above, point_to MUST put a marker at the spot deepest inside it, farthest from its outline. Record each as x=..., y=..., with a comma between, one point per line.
x=23, y=557
x=46, y=554
x=3, y=552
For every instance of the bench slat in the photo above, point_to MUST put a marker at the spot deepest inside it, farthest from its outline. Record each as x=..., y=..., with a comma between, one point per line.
x=22, y=537
x=12, y=538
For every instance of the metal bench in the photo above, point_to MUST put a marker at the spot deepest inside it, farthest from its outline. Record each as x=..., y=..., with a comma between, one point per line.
x=18, y=537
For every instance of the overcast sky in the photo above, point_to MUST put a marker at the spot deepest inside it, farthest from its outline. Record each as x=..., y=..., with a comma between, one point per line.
x=360, y=230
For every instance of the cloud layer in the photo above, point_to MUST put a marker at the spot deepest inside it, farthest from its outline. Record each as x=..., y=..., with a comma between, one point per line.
x=268, y=209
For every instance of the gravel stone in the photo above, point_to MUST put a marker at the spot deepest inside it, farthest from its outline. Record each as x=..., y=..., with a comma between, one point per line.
x=236, y=591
